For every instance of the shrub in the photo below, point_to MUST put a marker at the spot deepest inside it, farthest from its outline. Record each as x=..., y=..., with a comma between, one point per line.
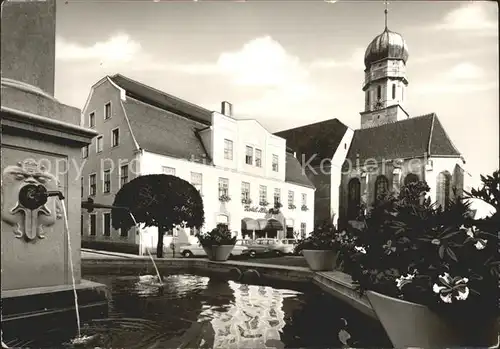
x=411, y=249
x=220, y=235
x=321, y=238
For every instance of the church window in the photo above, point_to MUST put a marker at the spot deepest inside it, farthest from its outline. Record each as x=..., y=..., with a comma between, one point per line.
x=367, y=98
x=354, y=198
x=411, y=178
x=379, y=92
x=393, y=91
x=381, y=186
x=443, y=189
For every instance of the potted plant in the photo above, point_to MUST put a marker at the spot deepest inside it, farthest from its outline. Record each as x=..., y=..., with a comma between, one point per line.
x=431, y=274
x=276, y=209
x=224, y=198
x=304, y=208
x=319, y=248
x=246, y=201
x=291, y=207
x=218, y=243
x=264, y=203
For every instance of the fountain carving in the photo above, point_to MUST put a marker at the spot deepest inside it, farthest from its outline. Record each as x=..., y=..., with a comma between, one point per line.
x=40, y=153
x=27, y=219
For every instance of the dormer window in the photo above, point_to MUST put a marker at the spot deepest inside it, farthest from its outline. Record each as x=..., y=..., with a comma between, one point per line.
x=249, y=155
x=275, y=163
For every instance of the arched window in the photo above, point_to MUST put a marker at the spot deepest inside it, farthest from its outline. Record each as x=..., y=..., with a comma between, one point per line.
x=354, y=198
x=443, y=189
x=379, y=92
x=367, y=101
x=411, y=178
x=381, y=186
x=393, y=91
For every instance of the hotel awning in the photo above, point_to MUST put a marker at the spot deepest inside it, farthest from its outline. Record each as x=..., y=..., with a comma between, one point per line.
x=249, y=224
x=262, y=223
x=273, y=224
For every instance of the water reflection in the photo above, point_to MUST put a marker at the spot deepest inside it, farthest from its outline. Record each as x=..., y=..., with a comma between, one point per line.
x=197, y=312
x=254, y=320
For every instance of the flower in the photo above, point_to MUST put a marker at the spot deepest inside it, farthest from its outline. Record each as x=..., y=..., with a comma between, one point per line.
x=403, y=280
x=435, y=242
x=479, y=243
x=449, y=287
x=360, y=249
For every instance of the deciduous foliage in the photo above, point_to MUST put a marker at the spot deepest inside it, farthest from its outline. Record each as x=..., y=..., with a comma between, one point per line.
x=443, y=258
x=163, y=201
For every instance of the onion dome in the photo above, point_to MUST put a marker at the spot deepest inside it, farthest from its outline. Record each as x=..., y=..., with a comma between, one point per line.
x=388, y=45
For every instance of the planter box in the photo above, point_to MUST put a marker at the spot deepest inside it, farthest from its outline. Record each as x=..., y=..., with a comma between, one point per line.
x=320, y=260
x=414, y=325
x=218, y=253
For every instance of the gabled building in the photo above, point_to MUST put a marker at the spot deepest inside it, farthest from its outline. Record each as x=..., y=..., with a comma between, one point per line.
x=146, y=131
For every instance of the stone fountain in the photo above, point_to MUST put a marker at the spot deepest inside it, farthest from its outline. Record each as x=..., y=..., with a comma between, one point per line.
x=40, y=148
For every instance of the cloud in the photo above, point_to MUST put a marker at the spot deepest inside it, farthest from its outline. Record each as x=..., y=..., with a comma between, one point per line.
x=454, y=88
x=464, y=71
x=472, y=17
x=118, y=48
x=355, y=61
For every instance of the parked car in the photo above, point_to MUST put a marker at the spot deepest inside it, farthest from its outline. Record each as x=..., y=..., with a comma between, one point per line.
x=287, y=246
x=195, y=250
x=263, y=246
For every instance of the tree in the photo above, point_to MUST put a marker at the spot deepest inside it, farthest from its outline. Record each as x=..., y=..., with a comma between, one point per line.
x=159, y=200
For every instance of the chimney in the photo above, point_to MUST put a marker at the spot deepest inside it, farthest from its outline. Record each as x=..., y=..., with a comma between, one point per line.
x=227, y=108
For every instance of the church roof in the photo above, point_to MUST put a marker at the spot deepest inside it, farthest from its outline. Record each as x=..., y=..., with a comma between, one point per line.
x=319, y=140
x=410, y=138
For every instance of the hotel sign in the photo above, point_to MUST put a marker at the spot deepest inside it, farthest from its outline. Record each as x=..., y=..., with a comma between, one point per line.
x=256, y=209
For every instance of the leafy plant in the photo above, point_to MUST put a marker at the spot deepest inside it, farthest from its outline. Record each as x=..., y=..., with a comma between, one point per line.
x=414, y=250
x=246, y=201
x=291, y=207
x=220, y=235
x=304, y=208
x=224, y=198
x=321, y=238
x=264, y=203
x=276, y=208
x=163, y=201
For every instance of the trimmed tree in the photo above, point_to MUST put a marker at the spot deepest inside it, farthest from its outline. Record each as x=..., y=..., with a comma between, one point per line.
x=159, y=200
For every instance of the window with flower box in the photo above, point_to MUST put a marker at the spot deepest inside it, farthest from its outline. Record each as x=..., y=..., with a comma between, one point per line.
x=245, y=193
x=277, y=196
x=223, y=187
x=262, y=195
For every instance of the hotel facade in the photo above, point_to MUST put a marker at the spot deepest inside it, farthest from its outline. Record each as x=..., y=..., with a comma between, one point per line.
x=240, y=169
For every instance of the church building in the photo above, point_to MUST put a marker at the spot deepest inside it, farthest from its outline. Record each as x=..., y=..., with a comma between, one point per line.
x=390, y=149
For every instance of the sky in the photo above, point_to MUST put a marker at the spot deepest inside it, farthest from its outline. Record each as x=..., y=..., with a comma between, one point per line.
x=291, y=63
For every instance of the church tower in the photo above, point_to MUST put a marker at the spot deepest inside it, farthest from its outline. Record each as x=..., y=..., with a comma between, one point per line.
x=385, y=79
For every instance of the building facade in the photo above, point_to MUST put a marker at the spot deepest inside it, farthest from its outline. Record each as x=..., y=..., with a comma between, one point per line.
x=240, y=169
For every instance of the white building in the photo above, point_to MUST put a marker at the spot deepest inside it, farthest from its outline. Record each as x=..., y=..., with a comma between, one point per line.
x=146, y=131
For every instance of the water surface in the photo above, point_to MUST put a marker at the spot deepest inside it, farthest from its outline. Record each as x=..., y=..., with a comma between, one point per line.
x=198, y=312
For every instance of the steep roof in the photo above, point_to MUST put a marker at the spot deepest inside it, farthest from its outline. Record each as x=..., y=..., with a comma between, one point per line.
x=162, y=100
x=321, y=139
x=165, y=133
x=294, y=172
x=408, y=138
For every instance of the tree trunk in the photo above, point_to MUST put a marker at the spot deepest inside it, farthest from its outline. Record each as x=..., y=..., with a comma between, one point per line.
x=159, y=245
